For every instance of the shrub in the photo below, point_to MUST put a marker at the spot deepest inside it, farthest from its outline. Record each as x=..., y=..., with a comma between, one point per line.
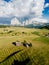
x=25, y=43
x=35, y=32
x=23, y=32
x=10, y=31
x=30, y=44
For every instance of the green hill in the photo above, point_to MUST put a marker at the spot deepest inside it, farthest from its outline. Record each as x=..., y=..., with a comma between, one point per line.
x=10, y=54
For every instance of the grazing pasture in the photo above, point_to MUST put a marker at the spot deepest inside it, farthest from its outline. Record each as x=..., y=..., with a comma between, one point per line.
x=37, y=54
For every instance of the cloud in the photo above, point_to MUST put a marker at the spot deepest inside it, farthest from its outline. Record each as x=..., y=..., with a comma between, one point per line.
x=15, y=21
x=40, y=20
x=36, y=21
x=46, y=5
x=21, y=8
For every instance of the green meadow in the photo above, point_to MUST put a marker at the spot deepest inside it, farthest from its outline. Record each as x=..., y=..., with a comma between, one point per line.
x=38, y=54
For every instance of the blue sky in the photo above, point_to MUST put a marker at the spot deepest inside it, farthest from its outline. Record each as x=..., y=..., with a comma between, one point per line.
x=7, y=0
x=24, y=10
x=46, y=11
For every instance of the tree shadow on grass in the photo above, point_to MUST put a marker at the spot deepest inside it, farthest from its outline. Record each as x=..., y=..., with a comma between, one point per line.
x=10, y=56
x=16, y=62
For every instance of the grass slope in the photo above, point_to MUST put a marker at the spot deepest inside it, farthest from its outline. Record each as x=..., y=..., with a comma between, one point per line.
x=38, y=54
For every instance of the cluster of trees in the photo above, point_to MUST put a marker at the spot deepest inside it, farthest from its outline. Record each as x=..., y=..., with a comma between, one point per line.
x=29, y=26
x=3, y=26
x=45, y=27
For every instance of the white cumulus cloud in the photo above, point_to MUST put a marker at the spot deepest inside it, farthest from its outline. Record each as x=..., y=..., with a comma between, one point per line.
x=46, y=5
x=20, y=8
x=35, y=21
x=15, y=21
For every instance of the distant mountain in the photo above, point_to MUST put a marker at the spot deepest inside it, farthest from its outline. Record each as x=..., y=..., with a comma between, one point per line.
x=5, y=20
x=20, y=22
x=45, y=25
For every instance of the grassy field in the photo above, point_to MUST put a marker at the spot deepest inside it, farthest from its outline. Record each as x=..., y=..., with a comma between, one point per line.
x=38, y=54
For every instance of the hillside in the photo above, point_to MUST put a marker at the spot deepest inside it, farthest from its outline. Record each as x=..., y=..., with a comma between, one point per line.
x=10, y=54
